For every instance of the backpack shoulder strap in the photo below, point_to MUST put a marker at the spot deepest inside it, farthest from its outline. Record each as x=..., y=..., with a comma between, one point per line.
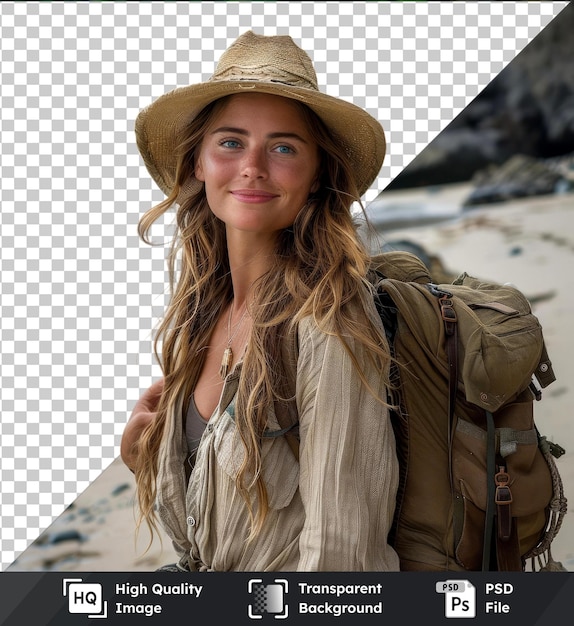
x=400, y=265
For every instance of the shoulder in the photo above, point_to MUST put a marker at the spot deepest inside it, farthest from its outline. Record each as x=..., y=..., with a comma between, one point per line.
x=360, y=313
x=360, y=310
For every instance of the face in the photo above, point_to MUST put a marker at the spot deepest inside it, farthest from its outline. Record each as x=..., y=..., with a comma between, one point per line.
x=259, y=163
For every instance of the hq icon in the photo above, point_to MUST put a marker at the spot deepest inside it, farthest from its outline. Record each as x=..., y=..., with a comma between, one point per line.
x=85, y=598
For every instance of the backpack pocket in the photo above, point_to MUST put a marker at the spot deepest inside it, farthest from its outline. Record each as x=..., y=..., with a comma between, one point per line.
x=530, y=482
x=502, y=344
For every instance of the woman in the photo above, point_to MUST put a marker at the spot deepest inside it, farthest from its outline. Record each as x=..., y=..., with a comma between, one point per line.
x=267, y=445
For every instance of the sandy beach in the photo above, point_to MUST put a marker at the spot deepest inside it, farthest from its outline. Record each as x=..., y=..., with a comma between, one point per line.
x=529, y=243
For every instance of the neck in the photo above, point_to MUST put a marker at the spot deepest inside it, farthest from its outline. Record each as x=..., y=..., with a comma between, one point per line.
x=248, y=262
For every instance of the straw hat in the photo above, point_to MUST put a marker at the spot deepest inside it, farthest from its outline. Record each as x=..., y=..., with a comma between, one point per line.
x=255, y=63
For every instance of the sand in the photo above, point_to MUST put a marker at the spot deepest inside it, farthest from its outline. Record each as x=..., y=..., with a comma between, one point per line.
x=529, y=243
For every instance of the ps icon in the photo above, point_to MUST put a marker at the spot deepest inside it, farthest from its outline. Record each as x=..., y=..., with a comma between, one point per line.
x=459, y=598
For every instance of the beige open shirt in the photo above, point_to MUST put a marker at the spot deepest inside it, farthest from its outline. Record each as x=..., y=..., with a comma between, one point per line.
x=330, y=512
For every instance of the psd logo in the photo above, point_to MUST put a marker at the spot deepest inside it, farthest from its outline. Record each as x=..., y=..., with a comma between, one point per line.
x=459, y=598
x=85, y=598
x=268, y=599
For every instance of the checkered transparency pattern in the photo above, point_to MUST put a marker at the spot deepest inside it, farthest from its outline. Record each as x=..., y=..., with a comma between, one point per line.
x=80, y=294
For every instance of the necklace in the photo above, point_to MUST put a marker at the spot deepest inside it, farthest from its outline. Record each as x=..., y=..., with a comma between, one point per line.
x=227, y=358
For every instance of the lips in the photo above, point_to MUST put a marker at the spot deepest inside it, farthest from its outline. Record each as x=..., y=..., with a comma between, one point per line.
x=252, y=195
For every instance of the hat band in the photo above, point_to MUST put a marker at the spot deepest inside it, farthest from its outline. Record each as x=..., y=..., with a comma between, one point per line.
x=266, y=75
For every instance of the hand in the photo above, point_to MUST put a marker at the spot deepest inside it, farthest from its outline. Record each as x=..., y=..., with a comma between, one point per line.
x=143, y=414
x=148, y=402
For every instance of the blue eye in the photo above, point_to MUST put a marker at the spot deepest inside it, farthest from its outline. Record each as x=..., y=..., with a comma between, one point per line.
x=230, y=143
x=284, y=150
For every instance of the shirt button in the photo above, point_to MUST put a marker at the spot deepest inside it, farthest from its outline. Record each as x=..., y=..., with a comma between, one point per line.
x=191, y=521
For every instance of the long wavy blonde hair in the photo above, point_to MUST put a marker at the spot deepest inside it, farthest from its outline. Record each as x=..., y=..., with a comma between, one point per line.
x=319, y=269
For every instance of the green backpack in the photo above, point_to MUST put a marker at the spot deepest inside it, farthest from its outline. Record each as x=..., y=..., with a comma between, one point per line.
x=479, y=489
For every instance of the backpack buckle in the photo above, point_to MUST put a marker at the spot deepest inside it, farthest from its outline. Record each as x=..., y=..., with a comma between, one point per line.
x=448, y=314
x=503, y=500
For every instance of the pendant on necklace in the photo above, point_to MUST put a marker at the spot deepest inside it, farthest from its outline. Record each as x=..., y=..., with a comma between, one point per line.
x=226, y=362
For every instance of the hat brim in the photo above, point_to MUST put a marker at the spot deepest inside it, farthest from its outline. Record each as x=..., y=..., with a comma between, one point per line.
x=158, y=127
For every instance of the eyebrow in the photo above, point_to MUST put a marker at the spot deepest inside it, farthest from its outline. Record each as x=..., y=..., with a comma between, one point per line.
x=242, y=131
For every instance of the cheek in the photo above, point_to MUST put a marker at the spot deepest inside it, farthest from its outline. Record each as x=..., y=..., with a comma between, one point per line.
x=311, y=175
x=207, y=165
x=199, y=173
x=213, y=171
x=300, y=176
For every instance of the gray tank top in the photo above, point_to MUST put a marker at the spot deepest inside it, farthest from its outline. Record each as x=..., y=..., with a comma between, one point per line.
x=194, y=427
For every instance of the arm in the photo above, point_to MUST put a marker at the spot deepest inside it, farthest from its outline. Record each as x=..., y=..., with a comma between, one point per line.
x=142, y=414
x=348, y=466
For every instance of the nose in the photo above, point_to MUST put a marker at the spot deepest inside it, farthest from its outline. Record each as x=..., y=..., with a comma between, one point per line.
x=254, y=164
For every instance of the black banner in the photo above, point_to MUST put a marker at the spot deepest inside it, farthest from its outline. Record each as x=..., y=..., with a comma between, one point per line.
x=77, y=598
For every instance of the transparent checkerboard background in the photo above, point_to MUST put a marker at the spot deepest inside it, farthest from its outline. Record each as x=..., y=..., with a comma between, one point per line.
x=80, y=294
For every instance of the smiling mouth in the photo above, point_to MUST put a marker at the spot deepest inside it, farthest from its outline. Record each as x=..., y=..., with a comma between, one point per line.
x=252, y=195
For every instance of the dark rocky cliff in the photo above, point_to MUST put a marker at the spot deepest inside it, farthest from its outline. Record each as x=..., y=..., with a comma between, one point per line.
x=528, y=109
